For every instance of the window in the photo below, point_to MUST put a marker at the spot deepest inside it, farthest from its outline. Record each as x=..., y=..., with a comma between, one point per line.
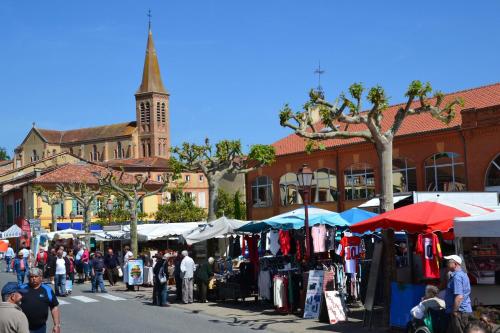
x=34, y=156
x=148, y=114
x=163, y=113
x=94, y=156
x=404, y=175
x=493, y=173
x=143, y=113
x=59, y=209
x=158, y=178
x=262, y=192
x=201, y=178
x=324, y=186
x=187, y=178
x=18, y=208
x=202, y=200
x=76, y=207
x=119, y=150
x=445, y=172
x=149, y=149
x=158, y=112
x=359, y=182
x=289, y=191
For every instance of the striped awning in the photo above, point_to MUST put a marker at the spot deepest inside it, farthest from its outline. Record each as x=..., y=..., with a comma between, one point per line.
x=12, y=232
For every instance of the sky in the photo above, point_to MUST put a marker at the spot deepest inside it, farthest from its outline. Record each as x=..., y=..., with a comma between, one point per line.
x=229, y=66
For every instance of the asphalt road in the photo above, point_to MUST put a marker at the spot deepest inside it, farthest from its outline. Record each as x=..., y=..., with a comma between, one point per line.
x=85, y=312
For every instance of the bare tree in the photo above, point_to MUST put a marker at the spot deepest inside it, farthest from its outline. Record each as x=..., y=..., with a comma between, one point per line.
x=85, y=195
x=133, y=194
x=226, y=158
x=52, y=198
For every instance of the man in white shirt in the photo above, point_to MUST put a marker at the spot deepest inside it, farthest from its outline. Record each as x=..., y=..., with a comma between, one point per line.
x=128, y=255
x=60, y=277
x=9, y=255
x=187, y=273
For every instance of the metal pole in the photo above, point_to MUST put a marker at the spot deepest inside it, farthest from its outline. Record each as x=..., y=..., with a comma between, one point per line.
x=306, y=223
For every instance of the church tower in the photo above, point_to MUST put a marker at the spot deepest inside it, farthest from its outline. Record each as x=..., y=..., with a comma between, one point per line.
x=152, y=111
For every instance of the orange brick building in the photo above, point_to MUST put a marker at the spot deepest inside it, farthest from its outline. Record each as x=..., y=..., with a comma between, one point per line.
x=428, y=156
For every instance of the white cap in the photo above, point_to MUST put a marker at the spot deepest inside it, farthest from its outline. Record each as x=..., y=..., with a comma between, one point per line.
x=455, y=258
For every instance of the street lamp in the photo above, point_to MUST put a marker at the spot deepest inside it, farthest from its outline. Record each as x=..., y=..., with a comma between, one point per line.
x=305, y=177
x=72, y=217
x=109, y=207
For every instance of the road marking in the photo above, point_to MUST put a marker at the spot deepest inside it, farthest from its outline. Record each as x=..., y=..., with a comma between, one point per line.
x=111, y=297
x=61, y=302
x=84, y=299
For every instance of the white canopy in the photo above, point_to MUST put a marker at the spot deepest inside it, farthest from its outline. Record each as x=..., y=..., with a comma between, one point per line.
x=375, y=202
x=219, y=227
x=147, y=232
x=13, y=232
x=487, y=225
x=54, y=234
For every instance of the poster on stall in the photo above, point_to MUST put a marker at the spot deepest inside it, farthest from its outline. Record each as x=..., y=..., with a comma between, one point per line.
x=135, y=270
x=313, y=295
x=337, y=310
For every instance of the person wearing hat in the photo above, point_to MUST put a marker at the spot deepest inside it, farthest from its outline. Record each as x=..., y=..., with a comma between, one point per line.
x=12, y=318
x=457, y=297
x=203, y=275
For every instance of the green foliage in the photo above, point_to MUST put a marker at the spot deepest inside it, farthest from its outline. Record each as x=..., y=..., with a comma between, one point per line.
x=377, y=96
x=356, y=90
x=182, y=209
x=285, y=114
x=3, y=154
x=263, y=154
x=230, y=206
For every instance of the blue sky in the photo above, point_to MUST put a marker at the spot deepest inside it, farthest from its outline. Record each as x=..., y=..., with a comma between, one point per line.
x=229, y=65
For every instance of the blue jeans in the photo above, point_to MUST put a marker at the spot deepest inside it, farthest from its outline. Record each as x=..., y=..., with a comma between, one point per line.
x=60, y=284
x=8, y=261
x=42, y=329
x=98, y=281
x=163, y=294
x=20, y=277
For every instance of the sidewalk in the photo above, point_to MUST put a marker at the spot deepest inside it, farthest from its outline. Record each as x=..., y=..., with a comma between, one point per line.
x=257, y=317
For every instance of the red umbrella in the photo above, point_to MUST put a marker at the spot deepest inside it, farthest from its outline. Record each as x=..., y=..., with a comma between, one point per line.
x=422, y=217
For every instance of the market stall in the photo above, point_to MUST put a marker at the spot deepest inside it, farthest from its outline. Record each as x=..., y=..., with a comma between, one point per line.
x=220, y=227
x=478, y=241
x=12, y=232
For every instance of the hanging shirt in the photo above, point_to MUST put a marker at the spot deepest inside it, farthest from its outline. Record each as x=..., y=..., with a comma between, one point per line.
x=318, y=234
x=428, y=246
x=273, y=240
x=284, y=239
x=349, y=248
x=264, y=283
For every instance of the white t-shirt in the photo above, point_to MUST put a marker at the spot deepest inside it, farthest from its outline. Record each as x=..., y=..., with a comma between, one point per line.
x=273, y=238
x=26, y=253
x=128, y=255
x=60, y=266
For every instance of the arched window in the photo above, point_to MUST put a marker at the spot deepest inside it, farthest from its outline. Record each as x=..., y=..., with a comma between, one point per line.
x=119, y=150
x=445, y=172
x=324, y=186
x=95, y=153
x=158, y=112
x=163, y=113
x=493, y=174
x=149, y=149
x=404, y=175
x=289, y=192
x=34, y=156
x=143, y=149
x=143, y=113
x=262, y=188
x=359, y=182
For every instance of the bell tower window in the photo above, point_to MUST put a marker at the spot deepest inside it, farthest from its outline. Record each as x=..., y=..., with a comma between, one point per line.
x=143, y=114
x=163, y=113
x=148, y=114
x=158, y=114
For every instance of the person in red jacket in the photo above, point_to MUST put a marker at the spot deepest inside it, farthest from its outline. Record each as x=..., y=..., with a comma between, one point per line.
x=42, y=258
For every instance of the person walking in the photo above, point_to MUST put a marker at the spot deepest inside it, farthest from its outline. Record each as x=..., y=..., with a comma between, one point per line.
x=60, y=277
x=70, y=271
x=86, y=263
x=457, y=297
x=187, y=273
x=126, y=257
x=178, y=277
x=12, y=318
x=9, y=255
x=160, y=271
x=111, y=264
x=20, y=266
x=37, y=301
x=51, y=266
x=203, y=275
x=42, y=258
x=97, y=268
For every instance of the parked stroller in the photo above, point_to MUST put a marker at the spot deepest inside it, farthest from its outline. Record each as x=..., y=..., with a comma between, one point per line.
x=434, y=321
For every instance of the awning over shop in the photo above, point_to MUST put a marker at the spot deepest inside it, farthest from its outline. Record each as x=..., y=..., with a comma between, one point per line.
x=375, y=202
x=478, y=226
x=214, y=229
x=295, y=220
x=422, y=217
x=77, y=226
x=13, y=232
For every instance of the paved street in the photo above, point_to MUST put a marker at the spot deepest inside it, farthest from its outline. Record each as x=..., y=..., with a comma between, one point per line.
x=85, y=312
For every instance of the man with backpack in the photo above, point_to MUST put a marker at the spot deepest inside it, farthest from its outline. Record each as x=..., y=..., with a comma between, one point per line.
x=97, y=267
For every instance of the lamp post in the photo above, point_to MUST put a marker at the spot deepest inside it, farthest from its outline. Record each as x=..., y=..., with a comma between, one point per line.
x=109, y=207
x=72, y=217
x=304, y=178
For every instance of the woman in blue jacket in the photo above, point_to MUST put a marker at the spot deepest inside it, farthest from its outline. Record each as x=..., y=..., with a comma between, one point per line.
x=21, y=268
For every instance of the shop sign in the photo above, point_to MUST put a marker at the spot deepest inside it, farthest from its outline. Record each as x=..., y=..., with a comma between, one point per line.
x=135, y=271
x=313, y=295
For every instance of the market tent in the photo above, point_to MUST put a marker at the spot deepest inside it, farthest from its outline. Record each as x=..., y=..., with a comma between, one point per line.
x=295, y=220
x=422, y=217
x=478, y=226
x=355, y=215
x=147, y=232
x=62, y=234
x=13, y=232
x=221, y=226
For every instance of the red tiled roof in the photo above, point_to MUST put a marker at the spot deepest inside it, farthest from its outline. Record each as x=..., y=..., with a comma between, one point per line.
x=87, y=134
x=478, y=98
x=145, y=162
x=82, y=173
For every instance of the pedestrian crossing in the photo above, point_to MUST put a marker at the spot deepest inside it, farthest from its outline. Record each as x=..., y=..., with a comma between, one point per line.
x=96, y=298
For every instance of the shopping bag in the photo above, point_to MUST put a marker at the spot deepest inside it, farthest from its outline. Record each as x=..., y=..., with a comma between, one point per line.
x=120, y=272
x=69, y=285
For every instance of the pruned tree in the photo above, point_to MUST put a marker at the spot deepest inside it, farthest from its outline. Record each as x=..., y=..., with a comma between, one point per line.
x=226, y=158
x=85, y=195
x=339, y=118
x=133, y=193
x=51, y=198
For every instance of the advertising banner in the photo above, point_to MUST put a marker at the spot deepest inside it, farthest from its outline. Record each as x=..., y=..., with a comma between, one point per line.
x=135, y=271
x=337, y=310
x=313, y=295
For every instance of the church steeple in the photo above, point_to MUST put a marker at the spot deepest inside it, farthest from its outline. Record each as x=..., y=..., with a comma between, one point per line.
x=151, y=76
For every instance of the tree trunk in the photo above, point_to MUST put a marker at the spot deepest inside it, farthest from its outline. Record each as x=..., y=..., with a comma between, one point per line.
x=213, y=194
x=384, y=151
x=53, y=225
x=86, y=219
x=133, y=229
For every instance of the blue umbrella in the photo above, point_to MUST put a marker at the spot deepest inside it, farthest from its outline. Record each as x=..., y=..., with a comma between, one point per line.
x=355, y=215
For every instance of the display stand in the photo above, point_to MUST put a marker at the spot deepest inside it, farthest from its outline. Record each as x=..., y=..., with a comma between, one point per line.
x=372, y=286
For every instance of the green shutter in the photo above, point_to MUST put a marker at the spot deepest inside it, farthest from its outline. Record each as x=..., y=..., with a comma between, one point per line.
x=74, y=206
x=59, y=209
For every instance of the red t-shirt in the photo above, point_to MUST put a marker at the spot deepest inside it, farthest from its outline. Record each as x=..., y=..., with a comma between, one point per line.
x=428, y=246
x=349, y=248
x=285, y=244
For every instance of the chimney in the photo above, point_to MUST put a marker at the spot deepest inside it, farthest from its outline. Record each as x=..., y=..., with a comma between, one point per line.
x=38, y=173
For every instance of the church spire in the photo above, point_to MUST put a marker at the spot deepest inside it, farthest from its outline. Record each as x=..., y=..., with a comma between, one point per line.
x=151, y=77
